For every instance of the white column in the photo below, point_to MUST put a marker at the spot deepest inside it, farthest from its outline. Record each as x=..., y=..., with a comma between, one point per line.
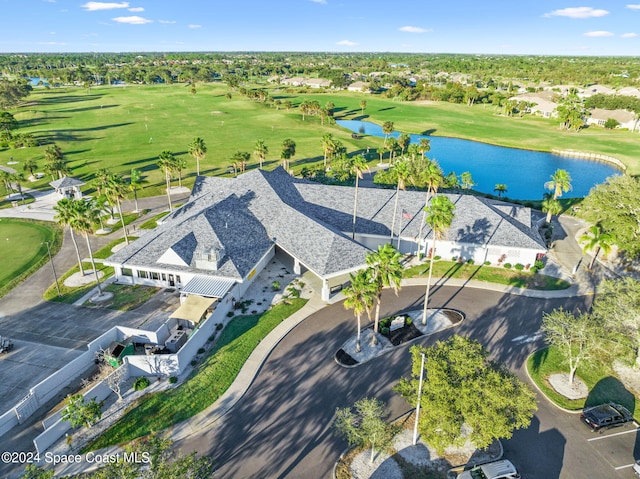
x=325, y=290
x=296, y=266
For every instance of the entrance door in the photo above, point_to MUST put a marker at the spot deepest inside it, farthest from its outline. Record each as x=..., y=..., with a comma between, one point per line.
x=171, y=280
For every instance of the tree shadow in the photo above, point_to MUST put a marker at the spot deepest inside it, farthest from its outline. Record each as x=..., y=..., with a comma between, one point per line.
x=429, y=132
x=88, y=108
x=610, y=389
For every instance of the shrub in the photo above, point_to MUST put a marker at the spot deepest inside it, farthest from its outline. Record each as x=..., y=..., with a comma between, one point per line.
x=211, y=338
x=275, y=286
x=173, y=380
x=230, y=314
x=519, y=266
x=437, y=258
x=487, y=263
x=507, y=265
x=218, y=326
x=385, y=322
x=534, y=270
x=384, y=331
x=141, y=383
x=193, y=362
x=408, y=320
x=470, y=261
x=454, y=259
x=201, y=350
x=539, y=264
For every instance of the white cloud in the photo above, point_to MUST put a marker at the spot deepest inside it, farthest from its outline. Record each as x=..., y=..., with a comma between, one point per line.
x=51, y=43
x=94, y=6
x=633, y=6
x=578, y=12
x=133, y=20
x=346, y=43
x=322, y=2
x=192, y=25
x=137, y=9
x=49, y=1
x=598, y=33
x=629, y=35
x=410, y=29
x=167, y=21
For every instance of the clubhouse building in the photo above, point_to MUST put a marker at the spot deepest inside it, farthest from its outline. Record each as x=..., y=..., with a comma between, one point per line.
x=220, y=240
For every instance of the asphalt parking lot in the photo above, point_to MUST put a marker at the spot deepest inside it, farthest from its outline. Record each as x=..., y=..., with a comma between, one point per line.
x=617, y=447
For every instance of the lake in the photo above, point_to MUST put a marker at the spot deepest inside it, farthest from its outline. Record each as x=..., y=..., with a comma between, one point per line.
x=524, y=172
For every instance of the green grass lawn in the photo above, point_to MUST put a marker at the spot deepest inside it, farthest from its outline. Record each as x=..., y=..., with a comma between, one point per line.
x=70, y=295
x=153, y=222
x=491, y=274
x=124, y=128
x=126, y=296
x=210, y=379
x=23, y=249
x=602, y=383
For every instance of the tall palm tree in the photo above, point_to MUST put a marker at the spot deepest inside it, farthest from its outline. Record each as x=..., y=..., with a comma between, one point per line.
x=261, y=151
x=116, y=190
x=385, y=270
x=85, y=215
x=500, y=188
x=288, y=151
x=357, y=168
x=327, y=146
x=560, y=182
x=387, y=129
x=240, y=159
x=198, y=149
x=403, y=141
x=18, y=179
x=551, y=206
x=425, y=146
x=136, y=180
x=440, y=214
x=432, y=177
x=598, y=240
x=166, y=164
x=179, y=164
x=402, y=171
x=65, y=216
x=359, y=296
x=363, y=105
x=30, y=165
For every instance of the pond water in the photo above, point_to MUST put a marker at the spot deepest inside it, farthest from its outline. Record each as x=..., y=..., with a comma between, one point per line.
x=524, y=172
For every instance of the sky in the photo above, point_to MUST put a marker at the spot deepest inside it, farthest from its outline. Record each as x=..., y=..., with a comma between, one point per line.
x=543, y=27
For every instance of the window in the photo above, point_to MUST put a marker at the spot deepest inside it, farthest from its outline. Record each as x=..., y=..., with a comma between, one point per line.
x=142, y=274
x=155, y=275
x=178, y=278
x=127, y=272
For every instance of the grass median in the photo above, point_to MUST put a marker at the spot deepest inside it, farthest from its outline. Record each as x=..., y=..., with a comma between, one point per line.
x=205, y=385
x=490, y=274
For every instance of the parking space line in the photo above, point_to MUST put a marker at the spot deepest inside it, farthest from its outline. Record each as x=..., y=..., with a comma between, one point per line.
x=623, y=467
x=612, y=435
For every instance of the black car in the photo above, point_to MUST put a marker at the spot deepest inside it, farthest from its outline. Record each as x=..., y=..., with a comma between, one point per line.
x=605, y=416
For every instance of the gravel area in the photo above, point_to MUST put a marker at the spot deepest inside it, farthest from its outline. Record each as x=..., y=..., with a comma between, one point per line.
x=629, y=376
x=78, y=279
x=560, y=383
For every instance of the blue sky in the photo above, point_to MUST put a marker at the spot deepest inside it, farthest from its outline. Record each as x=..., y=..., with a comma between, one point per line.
x=565, y=27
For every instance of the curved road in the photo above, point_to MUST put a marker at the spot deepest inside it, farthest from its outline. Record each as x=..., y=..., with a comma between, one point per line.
x=282, y=426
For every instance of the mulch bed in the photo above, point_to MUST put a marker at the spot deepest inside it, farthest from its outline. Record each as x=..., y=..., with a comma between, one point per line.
x=344, y=359
x=404, y=334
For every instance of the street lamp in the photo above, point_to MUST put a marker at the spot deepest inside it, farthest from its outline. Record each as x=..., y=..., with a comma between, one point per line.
x=415, y=426
x=53, y=267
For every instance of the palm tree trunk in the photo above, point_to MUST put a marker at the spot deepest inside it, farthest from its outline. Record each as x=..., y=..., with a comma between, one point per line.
x=395, y=211
x=75, y=244
x=424, y=220
x=169, y=191
x=593, y=260
x=426, y=294
x=198, y=166
x=135, y=198
x=358, y=345
x=93, y=263
x=374, y=338
x=355, y=210
x=548, y=220
x=124, y=227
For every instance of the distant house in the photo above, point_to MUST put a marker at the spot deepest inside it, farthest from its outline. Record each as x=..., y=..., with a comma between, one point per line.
x=219, y=241
x=627, y=119
x=318, y=83
x=67, y=187
x=539, y=103
x=359, y=86
x=293, y=81
x=596, y=90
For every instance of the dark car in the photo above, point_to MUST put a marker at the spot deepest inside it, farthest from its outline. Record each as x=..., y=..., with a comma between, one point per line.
x=605, y=416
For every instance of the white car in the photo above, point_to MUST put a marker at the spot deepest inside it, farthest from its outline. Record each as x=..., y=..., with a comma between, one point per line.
x=636, y=468
x=493, y=470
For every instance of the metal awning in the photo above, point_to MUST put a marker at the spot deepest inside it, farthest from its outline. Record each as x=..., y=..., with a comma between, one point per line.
x=208, y=286
x=193, y=308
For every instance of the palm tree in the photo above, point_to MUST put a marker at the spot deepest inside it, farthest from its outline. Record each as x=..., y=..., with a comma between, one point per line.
x=432, y=177
x=287, y=152
x=500, y=188
x=55, y=162
x=440, y=214
x=385, y=270
x=359, y=296
x=240, y=159
x=197, y=149
x=65, y=216
x=401, y=169
x=596, y=239
x=551, y=206
x=560, y=182
x=18, y=180
x=327, y=145
x=403, y=141
x=136, y=181
x=85, y=215
x=363, y=105
x=358, y=167
x=166, y=163
x=179, y=164
x=260, y=151
x=387, y=129
x=467, y=180
x=30, y=165
x=115, y=191
x=425, y=146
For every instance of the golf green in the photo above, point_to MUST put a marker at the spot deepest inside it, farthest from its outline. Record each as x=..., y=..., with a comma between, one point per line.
x=22, y=247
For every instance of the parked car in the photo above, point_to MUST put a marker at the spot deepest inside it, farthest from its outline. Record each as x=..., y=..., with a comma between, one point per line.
x=636, y=468
x=605, y=416
x=503, y=469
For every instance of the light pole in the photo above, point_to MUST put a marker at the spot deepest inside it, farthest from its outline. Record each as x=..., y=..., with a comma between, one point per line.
x=53, y=267
x=415, y=426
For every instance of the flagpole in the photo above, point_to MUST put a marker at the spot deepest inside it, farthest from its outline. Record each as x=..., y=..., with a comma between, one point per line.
x=400, y=229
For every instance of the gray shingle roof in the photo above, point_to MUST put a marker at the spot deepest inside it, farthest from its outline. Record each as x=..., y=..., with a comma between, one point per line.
x=66, y=182
x=246, y=215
